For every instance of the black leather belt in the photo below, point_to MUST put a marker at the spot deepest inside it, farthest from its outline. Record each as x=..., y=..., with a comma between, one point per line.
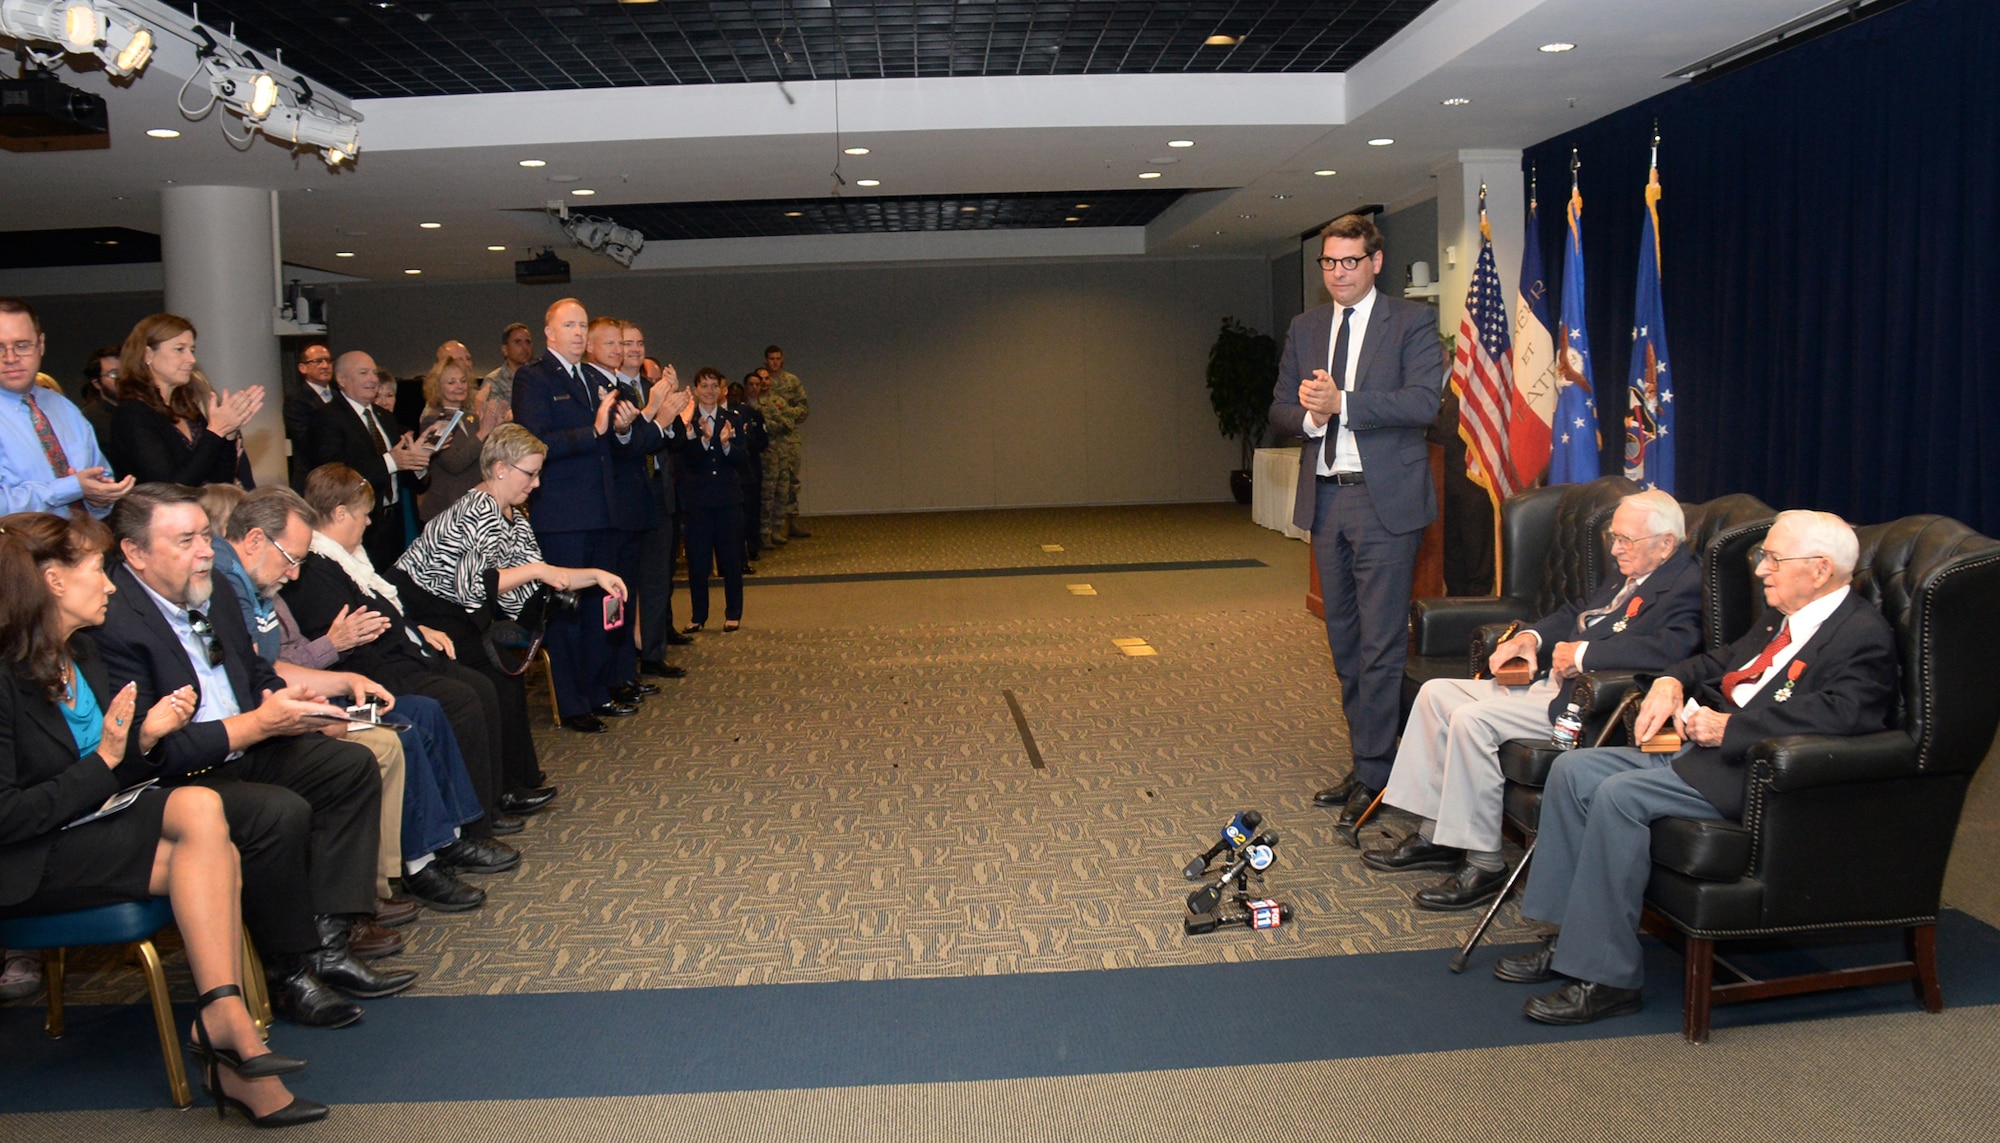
x=1344, y=478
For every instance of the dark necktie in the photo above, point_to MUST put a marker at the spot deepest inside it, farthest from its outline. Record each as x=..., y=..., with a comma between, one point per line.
x=1340, y=349
x=51, y=447
x=1760, y=664
x=381, y=444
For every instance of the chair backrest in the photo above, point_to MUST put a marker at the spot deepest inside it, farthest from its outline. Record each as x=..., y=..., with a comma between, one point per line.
x=1552, y=541
x=1720, y=534
x=1938, y=584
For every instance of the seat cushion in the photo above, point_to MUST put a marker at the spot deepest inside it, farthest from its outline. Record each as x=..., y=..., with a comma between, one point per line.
x=105, y=925
x=1521, y=808
x=1705, y=851
x=1527, y=760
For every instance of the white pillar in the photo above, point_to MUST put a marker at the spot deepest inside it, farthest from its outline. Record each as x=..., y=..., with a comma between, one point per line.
x=217, y=248
x=1458, y=227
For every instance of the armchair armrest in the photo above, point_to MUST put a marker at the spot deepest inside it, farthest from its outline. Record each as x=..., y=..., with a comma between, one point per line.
x=1806, y=761
x=1444, y=625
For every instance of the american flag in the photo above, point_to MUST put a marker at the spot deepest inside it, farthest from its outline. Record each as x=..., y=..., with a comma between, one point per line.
x=1482, y=374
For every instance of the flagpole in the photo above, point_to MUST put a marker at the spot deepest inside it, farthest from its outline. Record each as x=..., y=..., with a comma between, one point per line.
x=1493, y=478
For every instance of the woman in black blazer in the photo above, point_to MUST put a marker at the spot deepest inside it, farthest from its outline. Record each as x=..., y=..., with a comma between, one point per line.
x=709, y=439
x=59, y=740
x=170, y=424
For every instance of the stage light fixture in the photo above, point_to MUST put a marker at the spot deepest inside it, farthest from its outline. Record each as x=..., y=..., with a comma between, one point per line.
x=621, y=244
x=248, y=91
x=81, y=27
x=337, y=139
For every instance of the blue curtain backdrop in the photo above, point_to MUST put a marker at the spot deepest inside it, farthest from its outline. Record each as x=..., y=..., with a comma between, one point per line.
x=1831, y=248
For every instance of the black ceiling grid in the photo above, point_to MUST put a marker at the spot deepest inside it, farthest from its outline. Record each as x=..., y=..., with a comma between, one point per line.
x=390, y=48
x=772, y=218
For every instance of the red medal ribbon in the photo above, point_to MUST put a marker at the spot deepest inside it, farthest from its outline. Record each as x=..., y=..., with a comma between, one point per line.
x=1797, y=668
x=1632, y=608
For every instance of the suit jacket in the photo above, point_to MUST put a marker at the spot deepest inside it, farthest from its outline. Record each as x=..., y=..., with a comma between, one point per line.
x=579, y=482
x=336, y=433
x=44, y=783
x=1664, y=629
x=709, y=477
x=146, y=445
x=634, y=503
x=139, y=646
x=1845, y=686
x=299, y=408
x=1398, y=384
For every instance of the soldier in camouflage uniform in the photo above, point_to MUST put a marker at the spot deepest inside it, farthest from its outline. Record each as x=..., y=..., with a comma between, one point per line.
x=784, y=410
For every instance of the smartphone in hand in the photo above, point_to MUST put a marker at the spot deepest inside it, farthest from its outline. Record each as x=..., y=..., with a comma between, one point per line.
x=614, y=613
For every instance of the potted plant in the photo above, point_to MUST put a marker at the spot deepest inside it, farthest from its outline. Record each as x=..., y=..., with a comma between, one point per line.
x=1242, y=368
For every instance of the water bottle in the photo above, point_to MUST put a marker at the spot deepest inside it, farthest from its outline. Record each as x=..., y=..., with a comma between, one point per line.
x=1569, y=728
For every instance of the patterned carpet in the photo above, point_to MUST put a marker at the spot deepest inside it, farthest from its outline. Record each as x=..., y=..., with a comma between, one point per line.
x=818, y=801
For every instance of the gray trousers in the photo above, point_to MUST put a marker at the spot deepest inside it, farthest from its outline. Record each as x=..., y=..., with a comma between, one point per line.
x=1448, y=765
x=1593, y=855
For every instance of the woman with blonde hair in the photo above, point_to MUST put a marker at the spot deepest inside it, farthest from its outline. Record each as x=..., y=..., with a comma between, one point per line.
x=170, y=424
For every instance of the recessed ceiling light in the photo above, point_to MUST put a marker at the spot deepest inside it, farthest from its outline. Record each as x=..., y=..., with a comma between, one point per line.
x=1072, y=218
x=1281, y=197
x=106, y=242
x=1149, y=174
x=163, y=133
x=532, y=163
x=496, y=249
x=1083, y=206
x=429, y=225
x=795, y=214
x=868, y=182
x=413, y=271
x=1381, y=142
x=583, y=192
x=1325, y=171
x=1221, y=41
x=1180, y=142
x=343, y=254
x=968, y=210
x=1558, y=46
x=1246, y=216
x=1455, y=101
x=855, y=151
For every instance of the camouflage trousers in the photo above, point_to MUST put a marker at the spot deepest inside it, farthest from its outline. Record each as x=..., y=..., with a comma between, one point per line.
x=781, y=489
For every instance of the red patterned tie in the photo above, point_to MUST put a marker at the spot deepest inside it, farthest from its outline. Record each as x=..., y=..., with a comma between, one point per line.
x=51, y=447
x=1760, y=664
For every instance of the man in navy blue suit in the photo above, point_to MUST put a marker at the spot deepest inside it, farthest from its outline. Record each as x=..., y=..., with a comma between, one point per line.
x=581, y=420
x=1361, y=378
x=1448, y=766
x=1821, y=660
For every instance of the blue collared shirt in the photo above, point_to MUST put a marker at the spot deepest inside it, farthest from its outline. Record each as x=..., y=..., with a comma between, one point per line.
x=218, y=697
x=26, y=479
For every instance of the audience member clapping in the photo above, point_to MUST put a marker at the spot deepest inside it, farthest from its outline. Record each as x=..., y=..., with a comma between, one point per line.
x=171, y=424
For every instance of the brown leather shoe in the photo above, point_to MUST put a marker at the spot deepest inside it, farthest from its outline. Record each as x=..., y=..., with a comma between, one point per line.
x=365, y=938
x=394, y=912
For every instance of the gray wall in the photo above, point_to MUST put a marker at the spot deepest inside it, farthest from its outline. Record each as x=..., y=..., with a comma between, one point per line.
x=959, y=386
x=75, y=326
x=1409, y=235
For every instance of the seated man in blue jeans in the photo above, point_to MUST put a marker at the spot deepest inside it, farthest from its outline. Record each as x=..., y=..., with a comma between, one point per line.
x=1821, y=660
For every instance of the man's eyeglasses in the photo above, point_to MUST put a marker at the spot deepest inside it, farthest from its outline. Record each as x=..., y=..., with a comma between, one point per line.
x=1616, y=539
x=1758, y=557
x=205, y=632
x=1351, y=262
x=21, y=349
x=289, y=557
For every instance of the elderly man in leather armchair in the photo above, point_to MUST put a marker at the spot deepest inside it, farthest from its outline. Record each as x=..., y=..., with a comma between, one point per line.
x=1821, y=660
x=1448, y=768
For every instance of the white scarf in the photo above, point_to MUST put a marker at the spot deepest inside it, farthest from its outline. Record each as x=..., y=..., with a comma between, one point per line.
x=358, y=567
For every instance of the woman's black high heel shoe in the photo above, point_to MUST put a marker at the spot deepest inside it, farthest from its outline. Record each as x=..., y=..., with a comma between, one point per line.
x=291, y=1115
x=256, y=1067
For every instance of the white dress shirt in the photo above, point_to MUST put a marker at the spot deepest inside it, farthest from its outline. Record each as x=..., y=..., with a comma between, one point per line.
x=1345, y=455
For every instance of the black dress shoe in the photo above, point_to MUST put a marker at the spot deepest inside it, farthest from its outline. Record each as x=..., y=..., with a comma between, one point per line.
x=1336, y=794
x=1583, y=1002
x=1468, y=888
x=1528, y=967
x=505, y=825
x=663, y=669
x=336, y=966
x=527, y=800
x=633, y=695
x=585, y=724
x=676, y=639
x=1360, y=795
x=435, y=886
x=1413, y=852
x=642, y=689
x=749, y=568
x=479, y=855
x=299, y=996
x=614, y=709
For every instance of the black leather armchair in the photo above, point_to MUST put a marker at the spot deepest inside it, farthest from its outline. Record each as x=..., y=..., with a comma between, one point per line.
x=1552, y=552
x=1797, y=863
x=1720, y=536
